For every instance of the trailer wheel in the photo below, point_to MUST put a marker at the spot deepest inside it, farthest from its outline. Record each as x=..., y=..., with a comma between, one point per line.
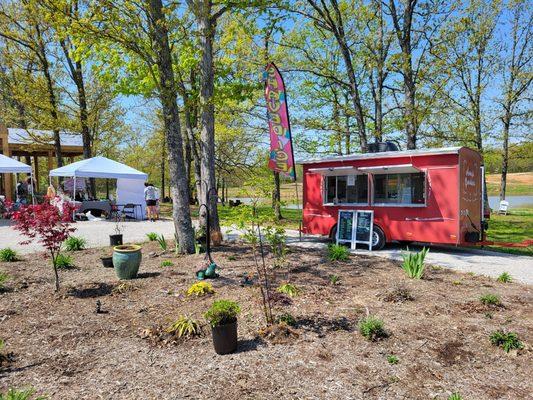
x=378, y=238
x=333, y=233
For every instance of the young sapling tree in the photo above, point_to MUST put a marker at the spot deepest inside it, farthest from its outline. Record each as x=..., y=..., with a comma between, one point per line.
x=49, y=225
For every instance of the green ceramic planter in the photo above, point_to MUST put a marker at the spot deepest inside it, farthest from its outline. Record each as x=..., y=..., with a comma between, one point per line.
x=126, y=260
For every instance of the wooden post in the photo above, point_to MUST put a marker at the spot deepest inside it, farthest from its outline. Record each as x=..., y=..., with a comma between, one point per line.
x=8, y=178
x=36, y=171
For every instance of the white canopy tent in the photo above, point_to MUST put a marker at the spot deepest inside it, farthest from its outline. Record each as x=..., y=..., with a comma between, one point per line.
x=9, y=165
x=102, y=167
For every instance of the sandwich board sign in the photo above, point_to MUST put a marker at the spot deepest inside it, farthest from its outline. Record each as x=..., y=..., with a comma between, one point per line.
x=355, y=226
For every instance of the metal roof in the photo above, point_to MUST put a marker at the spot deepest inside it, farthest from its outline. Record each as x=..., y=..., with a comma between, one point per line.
x=35, y=136
x=385, y=154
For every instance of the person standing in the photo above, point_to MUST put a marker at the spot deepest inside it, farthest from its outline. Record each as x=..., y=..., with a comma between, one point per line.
x=22, y=193
x=150, y=196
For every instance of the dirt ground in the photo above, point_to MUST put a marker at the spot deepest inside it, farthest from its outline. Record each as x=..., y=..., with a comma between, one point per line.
x=65, y=350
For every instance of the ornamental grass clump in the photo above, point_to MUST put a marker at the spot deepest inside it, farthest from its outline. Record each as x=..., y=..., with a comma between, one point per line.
x=289, y=289
x=64, y=261
x=455, y=396
x=167, y=263
x=47, y=225
x=337, y=252
x=152, y=236
x=74, y=243
x=506, y=340
x=17, y=394
x=162, y=242
x=185, y=327
x=372, y=328
x=413, y=263
x=222, y=312
x=8, y=255
x=200, y=289
x=505, y=277
x=490, y=300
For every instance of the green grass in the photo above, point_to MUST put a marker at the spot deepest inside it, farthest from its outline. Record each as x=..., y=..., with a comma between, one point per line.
x=514, y=227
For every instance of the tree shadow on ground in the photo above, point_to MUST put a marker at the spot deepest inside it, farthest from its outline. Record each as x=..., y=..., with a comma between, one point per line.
x=94, y=290
x=143, y=275
x=249, y=345
x=322, y=325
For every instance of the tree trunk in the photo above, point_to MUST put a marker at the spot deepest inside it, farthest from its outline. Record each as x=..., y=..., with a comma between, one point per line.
x=167, y=94
x=505, y=154
x=163, y=166
x=51, y=96
x=276, y=197
x=207, y=118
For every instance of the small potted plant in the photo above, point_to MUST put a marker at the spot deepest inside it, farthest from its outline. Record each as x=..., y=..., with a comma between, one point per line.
x=222, y=316
x=107, y=260
x=116, y=239
x=126, y=260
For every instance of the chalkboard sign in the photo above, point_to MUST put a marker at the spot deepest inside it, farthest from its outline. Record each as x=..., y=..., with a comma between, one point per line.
x=364, y=226
x=345, y=224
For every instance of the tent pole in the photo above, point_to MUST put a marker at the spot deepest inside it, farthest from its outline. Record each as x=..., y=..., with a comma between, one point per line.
x=74, y=198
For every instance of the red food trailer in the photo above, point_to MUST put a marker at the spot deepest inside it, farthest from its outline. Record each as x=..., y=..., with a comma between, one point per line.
x=432, y=195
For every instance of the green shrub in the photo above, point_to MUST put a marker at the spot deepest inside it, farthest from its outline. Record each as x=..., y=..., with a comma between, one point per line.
x=152, y=236
x=74, y=243
x=455, y=396
x=8, y=255
x=337, y=252
x=162, y=242
x=372, y=328
x=413, y=263
x=63, y=261
x=200, y=289
x=197, y=248
x=4, y=277
x=289, y=289
x=222, y=312
x=167, y=263
x=506, y=340
x=490, y=299
x=505, y=277
x=185, y=327
x=334, y=279
x=286, y=318
x=15, y=394
x=392, y=359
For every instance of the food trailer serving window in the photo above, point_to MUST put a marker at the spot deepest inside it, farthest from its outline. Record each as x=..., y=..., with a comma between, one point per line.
x=346, y=189
x=399, y=184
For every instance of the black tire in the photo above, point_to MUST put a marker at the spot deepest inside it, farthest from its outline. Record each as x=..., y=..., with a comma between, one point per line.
x=378, y=241
x=333, y=234
x=378, y=238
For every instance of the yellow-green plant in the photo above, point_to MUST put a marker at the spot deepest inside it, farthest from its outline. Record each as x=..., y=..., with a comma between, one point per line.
x=505, y=277
x=16, y=394
x=8, y=255
x=185, y=327
x=167, y=263
x=200, y=289
x=3, y=278
x=289, y=289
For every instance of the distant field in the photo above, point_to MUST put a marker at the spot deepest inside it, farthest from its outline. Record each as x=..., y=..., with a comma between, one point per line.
x=518, y=184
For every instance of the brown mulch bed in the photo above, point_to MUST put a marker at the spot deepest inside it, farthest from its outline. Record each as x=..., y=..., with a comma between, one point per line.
x=437, y=328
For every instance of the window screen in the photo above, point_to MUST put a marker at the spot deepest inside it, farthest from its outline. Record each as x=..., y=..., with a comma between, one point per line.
x=346, y=189
x=399, y=188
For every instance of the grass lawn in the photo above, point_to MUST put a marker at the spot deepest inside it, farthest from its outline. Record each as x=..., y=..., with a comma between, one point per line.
x=513, y=227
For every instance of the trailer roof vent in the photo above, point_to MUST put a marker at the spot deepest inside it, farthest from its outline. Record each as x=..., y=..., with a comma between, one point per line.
x=380, y=147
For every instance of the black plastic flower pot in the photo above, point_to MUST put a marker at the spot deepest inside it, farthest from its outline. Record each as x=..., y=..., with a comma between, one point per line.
x=115, y=240
x=107, y=262
x=225, y=338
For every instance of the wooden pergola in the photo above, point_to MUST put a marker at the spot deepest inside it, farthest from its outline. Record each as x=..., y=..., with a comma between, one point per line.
x=28, y=146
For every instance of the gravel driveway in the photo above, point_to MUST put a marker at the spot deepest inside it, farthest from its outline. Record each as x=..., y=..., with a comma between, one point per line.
x=476, y=261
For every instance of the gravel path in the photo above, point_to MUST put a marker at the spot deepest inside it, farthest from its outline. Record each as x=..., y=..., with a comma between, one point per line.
x=476, y=261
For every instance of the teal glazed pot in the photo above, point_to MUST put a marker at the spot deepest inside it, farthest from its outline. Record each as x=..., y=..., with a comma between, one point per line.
x=126, y=260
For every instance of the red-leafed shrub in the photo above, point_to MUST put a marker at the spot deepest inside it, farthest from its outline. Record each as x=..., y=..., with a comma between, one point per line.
x=46, y=223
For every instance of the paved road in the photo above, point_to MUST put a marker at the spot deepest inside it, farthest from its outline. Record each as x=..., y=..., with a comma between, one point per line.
x=479, y=262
